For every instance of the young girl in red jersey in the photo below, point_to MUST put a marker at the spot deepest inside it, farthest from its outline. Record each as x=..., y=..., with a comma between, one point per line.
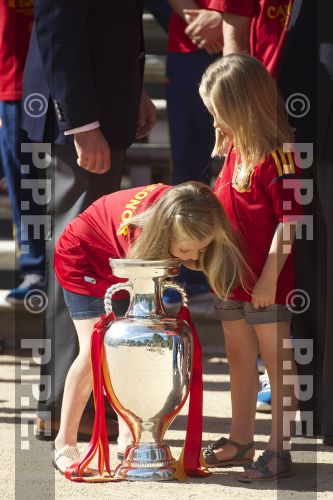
x=152, y=222
x=256, y=189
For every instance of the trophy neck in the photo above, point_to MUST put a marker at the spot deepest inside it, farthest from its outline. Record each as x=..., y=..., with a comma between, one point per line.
x=146, y=300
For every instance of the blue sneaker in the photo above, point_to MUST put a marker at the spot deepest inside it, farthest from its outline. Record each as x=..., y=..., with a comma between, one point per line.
x=264, y=395
x=30, y=282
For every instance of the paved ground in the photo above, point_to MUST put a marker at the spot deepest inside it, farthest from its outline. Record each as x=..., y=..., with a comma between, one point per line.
x=26, y=471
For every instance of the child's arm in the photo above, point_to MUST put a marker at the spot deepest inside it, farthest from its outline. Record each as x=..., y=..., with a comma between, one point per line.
x=264, y=290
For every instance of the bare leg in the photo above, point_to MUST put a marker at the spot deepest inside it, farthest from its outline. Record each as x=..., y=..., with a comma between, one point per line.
x=78, y=387
x=270, y=337
x=242, y=351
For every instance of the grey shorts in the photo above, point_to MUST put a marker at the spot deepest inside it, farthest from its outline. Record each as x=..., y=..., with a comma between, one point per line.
x=231, y=310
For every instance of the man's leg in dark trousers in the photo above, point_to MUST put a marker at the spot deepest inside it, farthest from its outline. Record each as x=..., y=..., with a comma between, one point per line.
x=324, y=218
x=73, y=190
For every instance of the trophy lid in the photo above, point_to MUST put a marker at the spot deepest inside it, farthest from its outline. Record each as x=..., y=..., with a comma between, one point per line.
x=140, y=268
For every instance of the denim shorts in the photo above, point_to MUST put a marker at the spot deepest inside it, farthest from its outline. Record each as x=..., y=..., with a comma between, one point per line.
x=86, y=306
x=231, y=310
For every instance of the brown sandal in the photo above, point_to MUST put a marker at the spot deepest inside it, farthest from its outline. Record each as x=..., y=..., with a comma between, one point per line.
x=261, y=465
x=237, y=460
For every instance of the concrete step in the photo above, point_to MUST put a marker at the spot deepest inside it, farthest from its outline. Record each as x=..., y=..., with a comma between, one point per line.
x=147, y=163
x=17, y=322
x=6, y=228
x=7, y=255
x=5, y=209
x=161, y=107
x=160, y=133
x=155, y=36
x=148, y=152
x=155, y=69
x=152, y=29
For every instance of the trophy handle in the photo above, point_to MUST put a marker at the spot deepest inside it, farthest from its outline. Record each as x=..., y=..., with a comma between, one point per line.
x=113, y=289
x=180, y=289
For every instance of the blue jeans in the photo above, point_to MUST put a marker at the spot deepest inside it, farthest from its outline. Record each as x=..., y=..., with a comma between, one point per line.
x=32, y=258
x=85, y=306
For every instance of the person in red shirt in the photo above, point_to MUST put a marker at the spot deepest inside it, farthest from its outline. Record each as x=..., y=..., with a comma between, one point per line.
x=153, y=222
x=257, y=26
x=16, y=20
x=257, y=188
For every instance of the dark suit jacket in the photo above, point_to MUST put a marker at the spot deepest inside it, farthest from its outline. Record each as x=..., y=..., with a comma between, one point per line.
x=85, y=63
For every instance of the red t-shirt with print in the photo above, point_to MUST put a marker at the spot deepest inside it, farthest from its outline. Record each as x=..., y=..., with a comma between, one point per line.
x=178, y=41
x=255, y=203
x=268, y=28
x=16, y=18
x=83, y=250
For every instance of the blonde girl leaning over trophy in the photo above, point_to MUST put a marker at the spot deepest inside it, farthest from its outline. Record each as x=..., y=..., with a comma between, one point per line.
x=256, y=188
x=152, y=222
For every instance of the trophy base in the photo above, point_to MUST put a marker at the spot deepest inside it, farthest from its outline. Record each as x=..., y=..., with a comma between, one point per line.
x=147, y=462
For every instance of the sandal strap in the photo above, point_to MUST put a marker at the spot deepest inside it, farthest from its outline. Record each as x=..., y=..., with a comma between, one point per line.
x=268, y=454
x=208, y=451
x=241, y=448
x=71, y=452
x=261, y=464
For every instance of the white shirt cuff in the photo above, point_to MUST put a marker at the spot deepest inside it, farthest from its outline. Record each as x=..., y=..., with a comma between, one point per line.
x=84, y=128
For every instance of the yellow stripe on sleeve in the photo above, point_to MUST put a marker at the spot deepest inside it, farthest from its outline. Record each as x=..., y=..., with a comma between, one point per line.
x=291, y=162
x=288, y=163
x=277, y=163
x=285, y=165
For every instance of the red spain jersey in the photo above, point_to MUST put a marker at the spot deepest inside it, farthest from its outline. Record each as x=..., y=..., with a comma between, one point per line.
x=83, y=251
x=16, y=18
x=178, y=41
x=270, y=19
x=255, y=203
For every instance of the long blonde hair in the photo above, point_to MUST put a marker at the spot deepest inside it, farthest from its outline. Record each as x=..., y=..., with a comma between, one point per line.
x=191, y=210
x=244, y=96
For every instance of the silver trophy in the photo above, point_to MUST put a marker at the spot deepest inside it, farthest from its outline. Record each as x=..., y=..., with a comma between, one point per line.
x=149, y=359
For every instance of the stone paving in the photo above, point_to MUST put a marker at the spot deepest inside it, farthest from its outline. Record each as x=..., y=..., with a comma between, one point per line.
x=26, y=470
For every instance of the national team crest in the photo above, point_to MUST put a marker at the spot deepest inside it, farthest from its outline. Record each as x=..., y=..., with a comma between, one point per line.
x=241, y=179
